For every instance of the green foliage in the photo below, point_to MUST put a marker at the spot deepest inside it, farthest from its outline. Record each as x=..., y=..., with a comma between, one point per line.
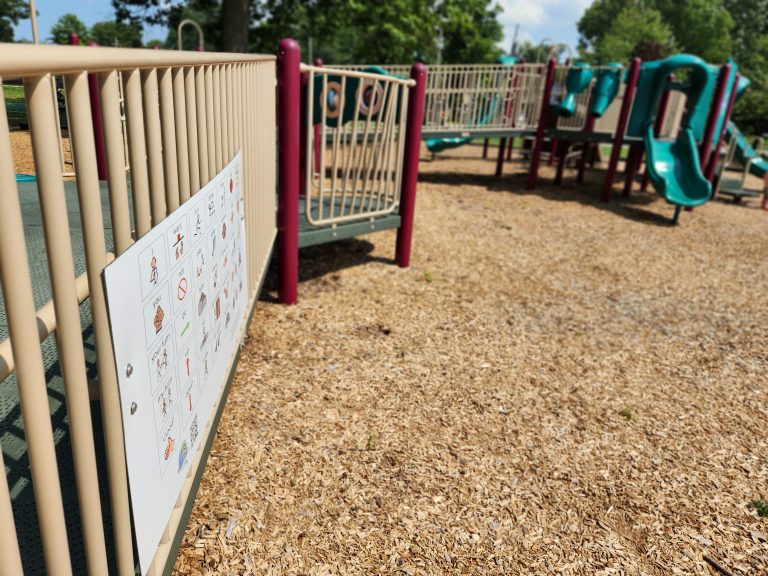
x=633, y=29
x=113, y=33
x=470, y=31
x=339, y=31
x=628, y=414
x=68, y=24
x=11, y=11
x=750, y=47
x=13, y=93
x=701, y=27
x=761, y=506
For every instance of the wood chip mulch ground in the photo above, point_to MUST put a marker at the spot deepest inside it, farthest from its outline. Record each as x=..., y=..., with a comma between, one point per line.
x=555, y=386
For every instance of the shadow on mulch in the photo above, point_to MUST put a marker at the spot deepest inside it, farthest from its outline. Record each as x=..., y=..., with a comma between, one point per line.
x=322, y=260
x=630, y=207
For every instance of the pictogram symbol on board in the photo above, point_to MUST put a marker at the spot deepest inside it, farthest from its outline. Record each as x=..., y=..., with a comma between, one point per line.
x=181, y=289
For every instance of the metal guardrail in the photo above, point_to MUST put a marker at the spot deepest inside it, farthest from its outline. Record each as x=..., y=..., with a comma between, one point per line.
x=354, y=160
x=187, y=113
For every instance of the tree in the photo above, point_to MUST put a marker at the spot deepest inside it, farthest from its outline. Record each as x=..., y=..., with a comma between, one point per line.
x=634, y=30
x=750, y=47
x=231, y=32
x=470, y=30
x=68, y=24
x=113, y=33
x=701, y=27
x=11, y=11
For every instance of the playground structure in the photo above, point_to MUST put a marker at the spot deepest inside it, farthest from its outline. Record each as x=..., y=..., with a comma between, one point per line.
x=358, y=136
x=348, y=164
x=575, y=107
x=187, y=115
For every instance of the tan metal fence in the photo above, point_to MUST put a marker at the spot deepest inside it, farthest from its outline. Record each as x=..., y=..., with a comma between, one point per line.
x=187, y=116
x=357, y=147
x=483, y=98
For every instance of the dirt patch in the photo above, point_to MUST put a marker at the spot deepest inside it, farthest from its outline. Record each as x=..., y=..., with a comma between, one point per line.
x=556, y=386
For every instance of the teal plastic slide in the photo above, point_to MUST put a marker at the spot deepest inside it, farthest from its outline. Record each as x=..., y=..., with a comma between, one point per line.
x=606, y=88
x=674, y=167
x=436, y=145
x=745, y=154
x=577, y=80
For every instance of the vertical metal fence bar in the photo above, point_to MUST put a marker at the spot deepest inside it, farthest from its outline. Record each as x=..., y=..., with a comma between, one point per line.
x=154, y=146
x=250, y=103
x=258, y=174
x=167, y=121
x=182, y=138
x=229, y=85
x=202, y=125
x=113, y=141
x=209, y=118
x=22, y=326
x=219, y=148
x=192, y=129
x=66, y=305
x=137, y=148
x=12, y=237
x=96, y=260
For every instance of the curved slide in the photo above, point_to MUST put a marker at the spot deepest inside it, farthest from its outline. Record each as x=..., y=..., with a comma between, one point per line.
x=674, y=167
x=745, y=154
x=675, y=170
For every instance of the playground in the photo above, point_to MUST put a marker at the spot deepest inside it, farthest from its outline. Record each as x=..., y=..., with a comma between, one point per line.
x=556, y=385
x=478, y=318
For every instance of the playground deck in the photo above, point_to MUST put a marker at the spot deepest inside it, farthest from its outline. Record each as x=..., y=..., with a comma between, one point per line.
x=555, y=386
x=310, y=235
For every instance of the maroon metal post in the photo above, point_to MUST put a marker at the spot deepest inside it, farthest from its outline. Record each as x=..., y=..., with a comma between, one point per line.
x=589, y=127
x=98, y=131
x=289, y=121
x=552, y=151
x=500, y=157
x=712, y=165
x=319, y=63
x=563, y=152
x=632, y=166
x=714, y=115
x=621, y=128
x=533, y=172
x=485, y=148
x=510, y=111
x=411, y=165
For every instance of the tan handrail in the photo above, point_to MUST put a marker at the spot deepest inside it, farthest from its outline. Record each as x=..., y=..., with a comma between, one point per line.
x=24, y=60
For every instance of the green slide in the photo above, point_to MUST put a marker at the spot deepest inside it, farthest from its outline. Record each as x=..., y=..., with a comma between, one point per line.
x=745, y=154
x=674, y=167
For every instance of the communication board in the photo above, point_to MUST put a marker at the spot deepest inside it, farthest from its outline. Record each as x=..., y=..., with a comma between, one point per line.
x=177, y=301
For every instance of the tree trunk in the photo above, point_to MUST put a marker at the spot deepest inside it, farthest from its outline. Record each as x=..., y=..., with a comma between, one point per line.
x=235, y=19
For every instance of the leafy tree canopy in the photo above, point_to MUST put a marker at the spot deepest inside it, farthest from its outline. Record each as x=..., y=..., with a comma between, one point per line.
x=113, y=33
x=11, y=11
x=68, y=24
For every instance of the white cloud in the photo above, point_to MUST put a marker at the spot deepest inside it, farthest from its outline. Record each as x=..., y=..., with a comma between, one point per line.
x=539, y=19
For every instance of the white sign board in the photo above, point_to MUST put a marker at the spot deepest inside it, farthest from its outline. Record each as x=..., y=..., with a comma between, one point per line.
x=177, y=302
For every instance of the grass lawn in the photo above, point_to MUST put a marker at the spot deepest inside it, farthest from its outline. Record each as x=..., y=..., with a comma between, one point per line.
x=13, y=93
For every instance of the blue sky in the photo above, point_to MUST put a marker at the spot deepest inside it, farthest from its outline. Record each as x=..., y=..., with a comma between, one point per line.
x=538, y=19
